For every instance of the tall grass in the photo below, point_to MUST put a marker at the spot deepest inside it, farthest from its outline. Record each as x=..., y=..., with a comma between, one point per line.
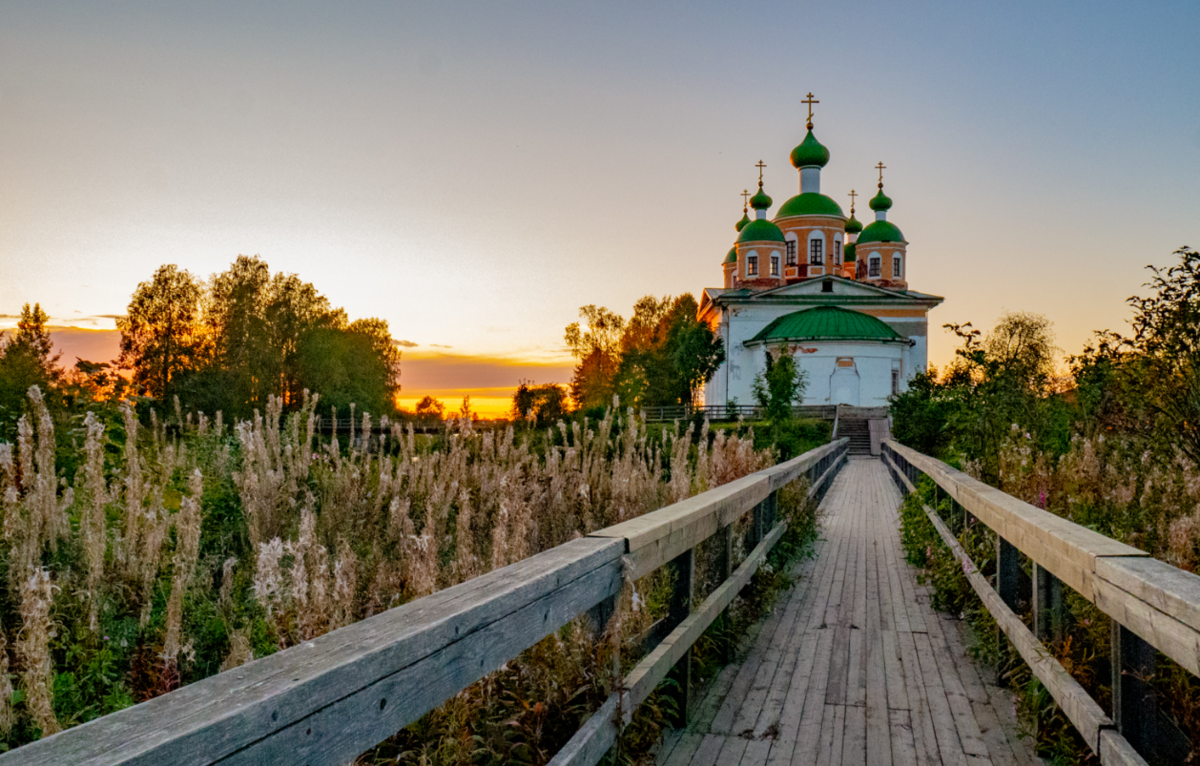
x=180, y=547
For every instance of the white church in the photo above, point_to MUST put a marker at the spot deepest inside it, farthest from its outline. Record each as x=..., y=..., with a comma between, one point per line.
x=818, y=285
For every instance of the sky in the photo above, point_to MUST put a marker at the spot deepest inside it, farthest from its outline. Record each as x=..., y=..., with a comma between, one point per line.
x=475, y=172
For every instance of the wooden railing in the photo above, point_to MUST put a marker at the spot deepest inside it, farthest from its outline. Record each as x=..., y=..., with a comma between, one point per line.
x=1153, y=605
x=329, y=699
x=730, y=412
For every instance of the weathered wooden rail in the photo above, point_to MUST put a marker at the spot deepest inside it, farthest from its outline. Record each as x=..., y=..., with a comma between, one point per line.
x=1153, y=605
x=332, y=698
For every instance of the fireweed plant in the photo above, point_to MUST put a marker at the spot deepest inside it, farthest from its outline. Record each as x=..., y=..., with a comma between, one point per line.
x=141, y=552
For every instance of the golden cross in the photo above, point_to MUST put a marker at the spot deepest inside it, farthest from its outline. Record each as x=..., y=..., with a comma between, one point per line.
x=880, y=167
x=810, y=101
x=853, y=194
x=760, y=167
x=745, y=198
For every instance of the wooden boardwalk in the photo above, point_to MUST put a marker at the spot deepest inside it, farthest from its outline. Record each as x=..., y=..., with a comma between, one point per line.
x=853, y=666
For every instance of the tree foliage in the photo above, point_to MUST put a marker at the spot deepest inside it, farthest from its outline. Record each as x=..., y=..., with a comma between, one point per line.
x=161, y=334
x=779, y=385
x=597, y=346
x=248, y=335
x=542, y=405
x=661, y=356
x=27, y=359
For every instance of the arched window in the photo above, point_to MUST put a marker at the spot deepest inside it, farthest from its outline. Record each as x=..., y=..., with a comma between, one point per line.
x=791, y=251
x=816, y=251
x=752, y=264
x=897, y=266
x=837, y=252
x=775, y=263
x=874, y=266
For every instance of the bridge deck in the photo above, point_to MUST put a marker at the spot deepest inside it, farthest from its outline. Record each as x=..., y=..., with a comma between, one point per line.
x=853, y=667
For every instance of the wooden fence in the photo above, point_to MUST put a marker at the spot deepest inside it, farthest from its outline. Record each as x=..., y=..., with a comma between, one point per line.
x=1153, y=605
x=329, y=699
x=730, y=412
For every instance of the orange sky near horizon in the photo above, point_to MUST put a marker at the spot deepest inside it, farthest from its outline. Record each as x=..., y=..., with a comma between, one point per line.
x=489, y=380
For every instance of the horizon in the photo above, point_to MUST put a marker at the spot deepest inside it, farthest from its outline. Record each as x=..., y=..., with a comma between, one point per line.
x=474, y=175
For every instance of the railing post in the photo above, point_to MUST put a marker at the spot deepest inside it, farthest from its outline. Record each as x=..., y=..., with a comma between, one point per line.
x=1135, y=704
x=726, y=572
x=756, y=524
x=681, y=605
x=1048, y=614
x=1047, y=606
x=601, y=613
x=1008, y=570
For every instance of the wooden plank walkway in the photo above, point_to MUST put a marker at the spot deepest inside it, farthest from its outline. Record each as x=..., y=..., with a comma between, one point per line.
x=853, y=666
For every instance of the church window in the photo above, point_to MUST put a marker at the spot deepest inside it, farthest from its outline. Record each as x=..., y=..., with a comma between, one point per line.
x=874, y=265
x=897, y=266
x=774, y=264
x=827, y=286
x=752, y=265
x=837, y=251
x=895, y=382
x=791, y=252
x=816, y=256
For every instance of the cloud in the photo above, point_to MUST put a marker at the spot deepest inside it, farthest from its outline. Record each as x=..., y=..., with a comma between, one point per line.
x=405, y=343
x=439, y=345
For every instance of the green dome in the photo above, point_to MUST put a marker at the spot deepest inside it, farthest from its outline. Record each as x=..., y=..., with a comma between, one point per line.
x=732, y=256
x=848, y=253
x=880, y=231
x=742, y=223
x=826, y=323
x=881, y=201
x=761, y=231
x=760, y=201
x=810, y=153
x=853, y=226
x=809, y=204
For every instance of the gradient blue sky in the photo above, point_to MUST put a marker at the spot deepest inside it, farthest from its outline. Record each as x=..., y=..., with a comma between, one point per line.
x=473, y=173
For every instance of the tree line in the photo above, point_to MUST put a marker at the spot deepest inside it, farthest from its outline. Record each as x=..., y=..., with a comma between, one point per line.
x=246, y=334
x=224, y=344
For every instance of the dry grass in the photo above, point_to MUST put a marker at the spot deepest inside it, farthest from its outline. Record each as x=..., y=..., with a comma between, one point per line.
x=182, y=546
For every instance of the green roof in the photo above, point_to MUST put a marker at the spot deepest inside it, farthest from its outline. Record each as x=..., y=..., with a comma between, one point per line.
x=853, y=226
x=742, y=223
x=809, y=204
x=881, y=201
x=760, y=200
x=848, y=253
x=761, y=231
x=881, y=231
x=826, y=323
x=732, y=256
x=810, y=153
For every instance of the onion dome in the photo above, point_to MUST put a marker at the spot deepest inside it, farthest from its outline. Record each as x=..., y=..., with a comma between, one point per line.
x=810, y=203
x=760, y=201
x=849, y=253
x=761, y=230
x=853, y=226
x=881, y=201
x=742, y=223
x=827, y=323
x=880, y=231
x=732, y=256
x=810, y=153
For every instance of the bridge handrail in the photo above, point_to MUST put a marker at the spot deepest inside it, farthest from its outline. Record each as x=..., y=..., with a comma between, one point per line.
x=327, y=700
x=1149, y=600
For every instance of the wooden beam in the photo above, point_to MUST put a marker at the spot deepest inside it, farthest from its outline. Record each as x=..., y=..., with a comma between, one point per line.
x=329, y=699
